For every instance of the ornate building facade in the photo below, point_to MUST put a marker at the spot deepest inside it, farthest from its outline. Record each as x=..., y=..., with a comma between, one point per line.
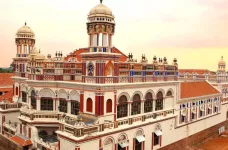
x=100, y=99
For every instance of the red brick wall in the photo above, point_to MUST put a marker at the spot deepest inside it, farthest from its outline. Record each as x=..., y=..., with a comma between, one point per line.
x=195, y=138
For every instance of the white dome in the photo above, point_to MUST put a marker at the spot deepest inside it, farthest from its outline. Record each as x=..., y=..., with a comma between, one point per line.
x=100, y=10
x=26, y=31
x=222, y=62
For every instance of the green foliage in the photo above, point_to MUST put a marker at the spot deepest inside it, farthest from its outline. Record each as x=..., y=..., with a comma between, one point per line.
x=6, y=70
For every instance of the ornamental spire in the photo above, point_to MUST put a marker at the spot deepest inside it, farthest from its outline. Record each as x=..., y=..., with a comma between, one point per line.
x=101, y=1
x=25, y=23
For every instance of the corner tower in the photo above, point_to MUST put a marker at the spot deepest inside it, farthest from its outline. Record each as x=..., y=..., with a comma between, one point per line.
x=100, y=28
x=25, y=41
x=222, y=66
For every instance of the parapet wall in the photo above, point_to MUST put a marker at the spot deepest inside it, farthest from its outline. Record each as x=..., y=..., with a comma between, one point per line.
x=197, y=138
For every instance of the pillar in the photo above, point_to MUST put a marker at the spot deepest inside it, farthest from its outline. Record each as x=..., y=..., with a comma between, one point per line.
x=38, y=103
x=115, y=106
x=99, y=105
x=69, y=106
x=81, y=101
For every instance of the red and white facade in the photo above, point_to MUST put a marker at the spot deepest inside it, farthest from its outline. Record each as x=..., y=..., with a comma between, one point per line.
x=100, y=99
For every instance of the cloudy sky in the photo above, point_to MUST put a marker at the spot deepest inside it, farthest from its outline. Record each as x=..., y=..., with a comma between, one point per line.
x=193, y=31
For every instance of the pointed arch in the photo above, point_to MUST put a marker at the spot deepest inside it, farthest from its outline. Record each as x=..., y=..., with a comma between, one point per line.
x=46, y=93
x=135, y=93
x=74, y=95
x=150, y=91
x=125, y=94
x=170, y=92
x=62, y=94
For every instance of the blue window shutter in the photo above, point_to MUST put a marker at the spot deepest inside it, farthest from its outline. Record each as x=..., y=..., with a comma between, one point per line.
x=95, y=49
x=104, y=49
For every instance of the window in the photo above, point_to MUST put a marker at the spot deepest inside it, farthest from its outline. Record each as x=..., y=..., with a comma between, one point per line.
x=122, y=108
x=148, y=104
x=136, y=105
x=169, y=93
x=159, y=101
x=89, y=105
x=208, y=111
x=109, y=106
x=24, y=97
x=62, y=105
x=183, y=118
x=1, y=94
x=215, y=109
x=138, y=145
x=156, y=139
x=46, y=103
x=75, y=107
x=201, y=113
x=193, y=116
x=33, y=99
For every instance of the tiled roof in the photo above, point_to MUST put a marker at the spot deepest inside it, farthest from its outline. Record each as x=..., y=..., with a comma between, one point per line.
x=5, y=89
x=198, y=71
x=77, y=53
x=197, y=89
x=21, y=141
x=8, y=96
x=5, y=79
x=123, y=57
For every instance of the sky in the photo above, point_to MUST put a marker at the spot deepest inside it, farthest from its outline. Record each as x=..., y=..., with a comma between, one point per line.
x=193, y=31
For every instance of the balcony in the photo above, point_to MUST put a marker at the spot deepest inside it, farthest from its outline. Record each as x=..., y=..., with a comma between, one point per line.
x=86, y=125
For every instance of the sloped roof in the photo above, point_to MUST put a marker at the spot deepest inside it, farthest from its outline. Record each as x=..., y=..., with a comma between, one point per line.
x=77, y=53
x=198, y=71
x=5, y=79
x=21, y=140
x=197, y=89
x=8, y=96
x=5, y=89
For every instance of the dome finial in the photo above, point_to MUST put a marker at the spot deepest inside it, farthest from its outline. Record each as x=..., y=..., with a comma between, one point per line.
x=25, y=23
x=101, y=1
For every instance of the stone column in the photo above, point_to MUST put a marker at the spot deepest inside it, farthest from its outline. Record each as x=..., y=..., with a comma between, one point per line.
x=69, y=106
x=38, y=103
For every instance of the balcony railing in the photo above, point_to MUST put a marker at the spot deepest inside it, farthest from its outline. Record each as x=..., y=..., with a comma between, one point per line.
x=80, y=128
x=129, y=79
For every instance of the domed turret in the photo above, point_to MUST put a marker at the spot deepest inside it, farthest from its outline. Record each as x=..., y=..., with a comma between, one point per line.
x=25, y=41
x=101, y=10
x=100, y=28
x=25, y=32
x=221, y=66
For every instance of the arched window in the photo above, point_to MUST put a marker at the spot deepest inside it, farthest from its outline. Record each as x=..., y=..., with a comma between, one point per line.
x=46, y=103
x=89, y=105
x=33, y=99
x=24, y=97
x=62, y=105
x=136, y=105
x=109, y=106
x=148, y=104
x=159, y=101
x=169, y=93
x=122, y=108
x=16, y=90
x=75, y=107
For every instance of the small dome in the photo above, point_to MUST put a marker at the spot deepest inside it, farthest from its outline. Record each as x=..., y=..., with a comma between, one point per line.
x=34, y=51
x=26, y=31
x=222, y=62
x=100, y=9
